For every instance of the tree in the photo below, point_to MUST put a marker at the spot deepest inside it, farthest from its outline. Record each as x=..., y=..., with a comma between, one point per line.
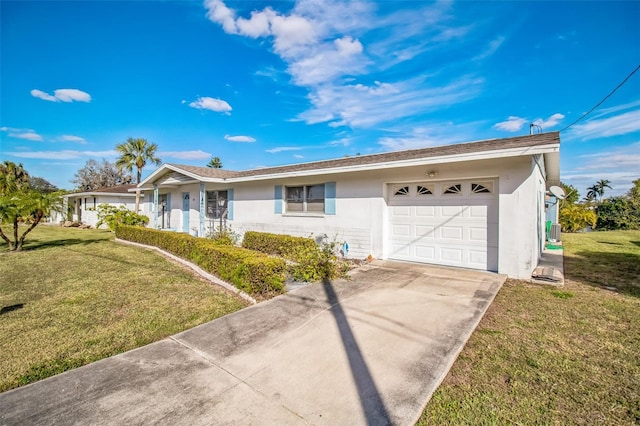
x=13, y=178
x=42, y=185
x=215, y=163
x=571, y=194
x=618, y=213
x=96, y=175
x=634, y=193
x=596, y=191
x=136, y=153
x=19, y=203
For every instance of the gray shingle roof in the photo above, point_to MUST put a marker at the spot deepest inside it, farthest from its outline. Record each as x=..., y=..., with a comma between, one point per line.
x=541, y=139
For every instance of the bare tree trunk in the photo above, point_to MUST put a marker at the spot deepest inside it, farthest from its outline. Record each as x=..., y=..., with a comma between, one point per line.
x=24, y=235
x=4, y=237
x=15, y=233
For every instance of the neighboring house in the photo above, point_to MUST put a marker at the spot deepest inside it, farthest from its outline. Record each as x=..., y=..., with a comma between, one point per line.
x=82, y=205
x=477, y=205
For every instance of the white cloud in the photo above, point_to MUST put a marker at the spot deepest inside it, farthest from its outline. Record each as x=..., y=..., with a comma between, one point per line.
x=72, y=138
x=426, y=136
x=549, y=122
x=66, y=154
x=492, y=48
x=239, y=138
x=512, y=124
x=185, y=155
x=28, y=134
x=283, y=149
x=213, y=104
x=321, y=43
x=64, y=95
x=620, y=165
x=616, y=125
x=298, y=156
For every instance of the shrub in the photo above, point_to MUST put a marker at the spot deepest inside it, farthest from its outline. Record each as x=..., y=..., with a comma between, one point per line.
x=252, y=272
x=311, y=262
x=278, y=245
x=576, y=217
x=618, y=213
x=114, y=216
x=224, y=237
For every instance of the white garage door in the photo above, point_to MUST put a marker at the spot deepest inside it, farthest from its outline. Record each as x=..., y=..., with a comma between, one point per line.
x=447, y=223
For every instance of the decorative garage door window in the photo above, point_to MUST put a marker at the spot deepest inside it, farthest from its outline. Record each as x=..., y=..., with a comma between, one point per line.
x=481, y=188
x=424, y=190
x=401, y=191
x=453, y=189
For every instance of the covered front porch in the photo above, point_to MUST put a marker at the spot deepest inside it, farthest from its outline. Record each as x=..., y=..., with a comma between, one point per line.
x=182, y=203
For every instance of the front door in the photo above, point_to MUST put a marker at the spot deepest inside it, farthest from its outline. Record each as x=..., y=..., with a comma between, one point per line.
x=185, y=212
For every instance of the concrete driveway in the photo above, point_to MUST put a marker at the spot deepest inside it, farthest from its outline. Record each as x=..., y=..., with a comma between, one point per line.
x=370, y=350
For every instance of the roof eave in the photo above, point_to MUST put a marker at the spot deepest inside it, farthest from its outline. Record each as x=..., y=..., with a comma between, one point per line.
x=471, y=156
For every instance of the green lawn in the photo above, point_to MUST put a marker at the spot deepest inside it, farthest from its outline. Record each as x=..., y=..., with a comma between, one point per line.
x=543, y=355
x=75, y=296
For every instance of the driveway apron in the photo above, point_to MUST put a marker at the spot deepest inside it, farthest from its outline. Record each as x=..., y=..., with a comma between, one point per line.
x=370, y=350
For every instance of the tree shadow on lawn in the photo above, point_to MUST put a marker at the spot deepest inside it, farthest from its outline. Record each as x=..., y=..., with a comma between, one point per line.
x=6, y=309
x=36, y=244
x=603, y=269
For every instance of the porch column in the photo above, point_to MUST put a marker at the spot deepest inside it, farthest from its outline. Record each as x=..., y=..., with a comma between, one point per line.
x=202, y=208
x=155, y=206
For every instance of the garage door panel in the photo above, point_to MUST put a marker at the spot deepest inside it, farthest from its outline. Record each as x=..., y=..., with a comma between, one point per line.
x=454, y=230
x=425, y=253
x=477, y=234
x=451, y=254
x=449, y=211
x=401, y=230
x=479, y=212
x=426, y=211
x=428, y=232
x=401, y=211
x=477, y=257
x=452, y=233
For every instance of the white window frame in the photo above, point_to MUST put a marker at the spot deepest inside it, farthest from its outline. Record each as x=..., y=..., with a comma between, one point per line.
x=305, y=199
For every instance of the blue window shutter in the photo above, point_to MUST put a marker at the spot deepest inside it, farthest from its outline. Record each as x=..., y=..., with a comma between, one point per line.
x=330, y=198
x=277, y=196
x=230, y=204
x=168, y=201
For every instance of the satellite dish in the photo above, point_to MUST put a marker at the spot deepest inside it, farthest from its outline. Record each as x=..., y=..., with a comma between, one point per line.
x=558, y=192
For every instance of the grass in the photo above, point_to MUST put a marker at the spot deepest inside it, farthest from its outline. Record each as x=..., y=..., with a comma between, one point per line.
x=75, y=296
x=543, y=355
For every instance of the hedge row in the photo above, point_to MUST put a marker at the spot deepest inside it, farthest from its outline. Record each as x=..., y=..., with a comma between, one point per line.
x=278, y=245
x=311, y=262
x=255, y=273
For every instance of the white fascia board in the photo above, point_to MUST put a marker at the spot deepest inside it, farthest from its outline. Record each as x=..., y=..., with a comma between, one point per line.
x=97, y=194
x=471, y=156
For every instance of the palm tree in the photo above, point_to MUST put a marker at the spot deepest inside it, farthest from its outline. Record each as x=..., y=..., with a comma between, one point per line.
x=601, y=185
x=13, y=178
x=136, y=153
x=596, y=191
x=215, y=163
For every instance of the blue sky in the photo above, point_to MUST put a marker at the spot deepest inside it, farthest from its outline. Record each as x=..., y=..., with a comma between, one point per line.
x=261, y=83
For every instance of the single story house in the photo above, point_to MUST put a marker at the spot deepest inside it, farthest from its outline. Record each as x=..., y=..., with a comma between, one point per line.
x=476, y=205
x=82, y=205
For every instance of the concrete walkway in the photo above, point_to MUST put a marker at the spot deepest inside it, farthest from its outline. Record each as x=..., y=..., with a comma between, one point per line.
x=370, y=350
